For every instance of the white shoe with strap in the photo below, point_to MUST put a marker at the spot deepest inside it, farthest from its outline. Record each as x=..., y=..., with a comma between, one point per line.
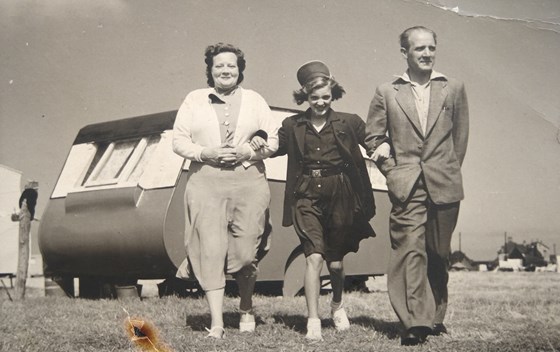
x=339, y=317
x=216, y=332
x=314, y=329
x=247, y=322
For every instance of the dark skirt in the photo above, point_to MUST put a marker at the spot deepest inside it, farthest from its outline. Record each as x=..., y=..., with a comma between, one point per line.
x=323, y=215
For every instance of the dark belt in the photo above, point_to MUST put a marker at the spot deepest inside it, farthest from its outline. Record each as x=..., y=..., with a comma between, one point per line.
x=323, y=172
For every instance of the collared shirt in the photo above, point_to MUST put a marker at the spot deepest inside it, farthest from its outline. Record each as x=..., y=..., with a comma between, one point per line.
x=421, y=94
x=321, y=149
x=227, y=109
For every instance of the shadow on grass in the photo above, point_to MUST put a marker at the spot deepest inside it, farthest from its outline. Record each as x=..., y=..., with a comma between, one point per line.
x=202, y=321
x=298, y=323
x=391, y=329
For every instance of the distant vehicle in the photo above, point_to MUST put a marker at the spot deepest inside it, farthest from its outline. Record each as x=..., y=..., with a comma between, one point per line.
x=116, y=214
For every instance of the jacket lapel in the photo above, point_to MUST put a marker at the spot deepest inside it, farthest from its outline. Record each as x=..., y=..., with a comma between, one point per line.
x=338, y=128
x=405, y=99
x=438, y=94
x=299, y=132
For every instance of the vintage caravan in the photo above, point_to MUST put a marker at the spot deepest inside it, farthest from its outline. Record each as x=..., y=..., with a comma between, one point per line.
x=116, y=213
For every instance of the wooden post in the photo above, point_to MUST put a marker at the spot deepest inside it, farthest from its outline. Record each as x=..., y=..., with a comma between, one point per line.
x=23, y=253
x=505, y=246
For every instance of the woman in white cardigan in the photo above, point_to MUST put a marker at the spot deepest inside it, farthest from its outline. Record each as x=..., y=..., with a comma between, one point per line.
x=227, y=194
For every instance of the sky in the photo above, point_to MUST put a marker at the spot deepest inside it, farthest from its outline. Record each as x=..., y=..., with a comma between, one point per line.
x=67, y=64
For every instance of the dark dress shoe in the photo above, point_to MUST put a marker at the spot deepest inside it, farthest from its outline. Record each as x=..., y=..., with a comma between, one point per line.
x=415, y=336
x=439, y=329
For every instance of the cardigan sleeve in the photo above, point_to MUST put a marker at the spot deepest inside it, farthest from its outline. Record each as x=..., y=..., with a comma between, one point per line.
x=269, y=125
x=183, y=144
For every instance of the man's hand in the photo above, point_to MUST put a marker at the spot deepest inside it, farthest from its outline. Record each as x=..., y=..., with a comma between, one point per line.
x=382, y=152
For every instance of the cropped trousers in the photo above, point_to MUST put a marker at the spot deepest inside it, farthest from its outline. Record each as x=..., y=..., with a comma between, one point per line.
x=226, y=215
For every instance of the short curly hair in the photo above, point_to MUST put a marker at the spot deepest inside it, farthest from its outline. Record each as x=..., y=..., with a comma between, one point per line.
x=213, y=50
x=301, y=95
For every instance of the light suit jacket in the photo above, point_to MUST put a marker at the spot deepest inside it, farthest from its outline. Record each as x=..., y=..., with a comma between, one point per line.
x=438, y=154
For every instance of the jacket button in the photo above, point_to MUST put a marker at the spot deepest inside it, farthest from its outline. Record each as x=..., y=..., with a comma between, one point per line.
x=420, y=146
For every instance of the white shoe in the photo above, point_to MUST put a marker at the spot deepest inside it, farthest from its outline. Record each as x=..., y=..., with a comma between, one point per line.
x=314, y=330
x=247, y=322
x=216, y=332
x=340, y=319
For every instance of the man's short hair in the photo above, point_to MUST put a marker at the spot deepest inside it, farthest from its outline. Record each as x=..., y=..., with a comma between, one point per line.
x=404, y=35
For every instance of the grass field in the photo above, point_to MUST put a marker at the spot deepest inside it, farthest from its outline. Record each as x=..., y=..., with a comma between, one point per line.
x=487, y=312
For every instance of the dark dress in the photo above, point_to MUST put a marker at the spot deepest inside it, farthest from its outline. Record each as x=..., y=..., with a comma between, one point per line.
x=328, y=196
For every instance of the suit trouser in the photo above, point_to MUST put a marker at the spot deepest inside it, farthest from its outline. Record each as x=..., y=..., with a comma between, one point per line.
x=421, y=242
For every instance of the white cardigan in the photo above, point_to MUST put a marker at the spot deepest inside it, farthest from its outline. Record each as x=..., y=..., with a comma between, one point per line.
x=196, y=126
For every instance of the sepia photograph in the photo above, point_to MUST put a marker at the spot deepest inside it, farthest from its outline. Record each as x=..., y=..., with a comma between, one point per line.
x=320, y=175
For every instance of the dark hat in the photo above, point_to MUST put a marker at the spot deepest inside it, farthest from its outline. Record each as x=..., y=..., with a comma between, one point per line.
x=312, y=69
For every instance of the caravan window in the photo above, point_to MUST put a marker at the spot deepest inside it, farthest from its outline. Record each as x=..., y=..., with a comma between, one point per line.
x=146, y=161
x=119, y=161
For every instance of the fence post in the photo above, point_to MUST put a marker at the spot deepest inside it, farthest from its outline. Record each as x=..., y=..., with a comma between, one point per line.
x=23, y=252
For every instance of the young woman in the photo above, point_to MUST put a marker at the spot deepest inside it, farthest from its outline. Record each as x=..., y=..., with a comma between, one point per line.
x=328, y=197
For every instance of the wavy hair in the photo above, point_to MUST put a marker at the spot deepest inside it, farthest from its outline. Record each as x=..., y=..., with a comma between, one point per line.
x=213, y=50
x=301, y=95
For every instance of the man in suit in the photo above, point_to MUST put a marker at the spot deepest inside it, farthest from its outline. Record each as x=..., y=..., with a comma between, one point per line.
x=425, y=116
